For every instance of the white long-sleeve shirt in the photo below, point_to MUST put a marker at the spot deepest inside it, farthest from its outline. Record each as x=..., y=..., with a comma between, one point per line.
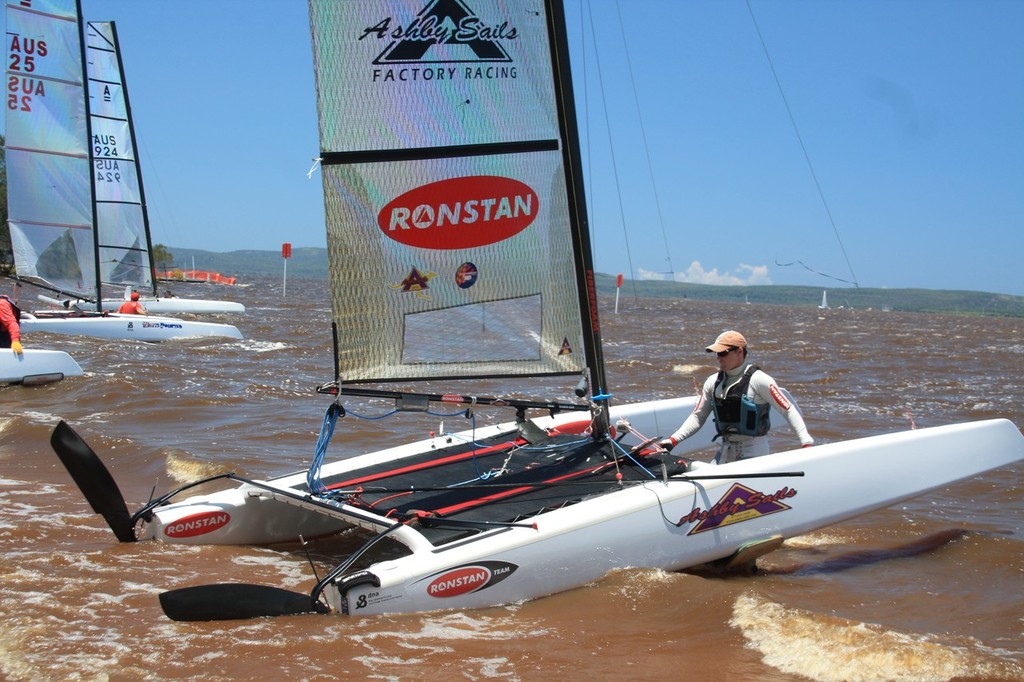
x=762, y=390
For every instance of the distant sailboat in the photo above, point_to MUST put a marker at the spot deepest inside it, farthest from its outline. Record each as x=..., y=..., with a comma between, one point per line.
x=122, y=222
x=824, y=301
x=75, y=206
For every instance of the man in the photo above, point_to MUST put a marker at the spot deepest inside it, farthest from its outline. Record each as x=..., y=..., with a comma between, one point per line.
x=10, y=327
x=739, y=396
x=132, y=307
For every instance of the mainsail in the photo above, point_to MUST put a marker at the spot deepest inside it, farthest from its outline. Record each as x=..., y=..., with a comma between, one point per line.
x=122, y=228
x=49, y=193
x=456, y=244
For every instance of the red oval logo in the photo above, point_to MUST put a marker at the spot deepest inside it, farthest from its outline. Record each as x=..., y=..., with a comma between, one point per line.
x=460, y=213
x=197, y=524
x=458, y=581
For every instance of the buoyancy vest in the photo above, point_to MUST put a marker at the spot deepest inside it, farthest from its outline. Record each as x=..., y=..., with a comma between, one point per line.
x=735, y=413
x=5, y=337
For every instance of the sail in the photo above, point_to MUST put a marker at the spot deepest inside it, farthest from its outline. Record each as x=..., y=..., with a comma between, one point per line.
x=49, y=196
x=456, y=248
x=122, y=229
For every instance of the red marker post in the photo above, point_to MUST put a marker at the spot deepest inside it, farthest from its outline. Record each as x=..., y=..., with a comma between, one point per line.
x=286, y=253
x=618, y=285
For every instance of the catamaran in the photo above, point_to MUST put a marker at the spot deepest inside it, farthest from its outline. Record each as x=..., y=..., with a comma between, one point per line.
x=459, y=251
x=76, y=206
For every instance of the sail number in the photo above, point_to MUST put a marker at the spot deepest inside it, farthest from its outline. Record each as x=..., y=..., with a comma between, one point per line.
x=21, y=58
x=104, y=153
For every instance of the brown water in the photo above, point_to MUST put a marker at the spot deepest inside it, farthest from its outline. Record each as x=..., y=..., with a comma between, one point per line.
x=847, y=603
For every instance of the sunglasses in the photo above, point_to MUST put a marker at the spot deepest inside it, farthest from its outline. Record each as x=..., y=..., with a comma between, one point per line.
x=723, y=353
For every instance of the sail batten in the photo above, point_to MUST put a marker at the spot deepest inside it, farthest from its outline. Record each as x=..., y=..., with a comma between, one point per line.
x=332, y=158
x=450, y=231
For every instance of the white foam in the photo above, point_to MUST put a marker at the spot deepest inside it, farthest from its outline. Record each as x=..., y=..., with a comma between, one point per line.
x=435, y=636
x=262, y=346
x=291, y=569
x=815, y=540
x=828, y=648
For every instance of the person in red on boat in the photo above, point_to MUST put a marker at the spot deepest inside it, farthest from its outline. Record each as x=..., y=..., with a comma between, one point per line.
x=133, y=307
x=10, y=325
x=740, y=396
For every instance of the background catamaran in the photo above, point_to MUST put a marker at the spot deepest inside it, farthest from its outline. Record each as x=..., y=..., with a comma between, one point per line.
x=71, y=132
x=459, y=251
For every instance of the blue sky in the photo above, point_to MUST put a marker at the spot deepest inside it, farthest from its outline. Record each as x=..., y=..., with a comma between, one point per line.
x=909, y=111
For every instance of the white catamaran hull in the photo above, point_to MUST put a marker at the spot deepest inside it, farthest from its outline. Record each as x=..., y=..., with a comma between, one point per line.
x=677, y=524
x=138, y=327
x=36, y=366
x=674, y=523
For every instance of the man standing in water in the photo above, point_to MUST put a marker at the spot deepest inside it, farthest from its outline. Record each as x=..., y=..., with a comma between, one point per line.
x=740, y=396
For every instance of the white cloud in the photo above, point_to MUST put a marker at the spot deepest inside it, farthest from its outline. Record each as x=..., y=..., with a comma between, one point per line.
x=743, y=275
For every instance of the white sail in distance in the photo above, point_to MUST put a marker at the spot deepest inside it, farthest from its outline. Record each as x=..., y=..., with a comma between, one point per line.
x=49, y=194
x=122, y=229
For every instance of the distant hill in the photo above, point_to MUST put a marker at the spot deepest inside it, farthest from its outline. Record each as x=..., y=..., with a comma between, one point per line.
x=312, y=262
x=304, y=262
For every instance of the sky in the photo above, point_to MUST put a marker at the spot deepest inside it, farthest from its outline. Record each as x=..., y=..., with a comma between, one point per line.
x=839, y=143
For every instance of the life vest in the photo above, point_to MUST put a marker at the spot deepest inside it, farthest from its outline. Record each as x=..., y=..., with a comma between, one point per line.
x=5, y=336
x=735, y=413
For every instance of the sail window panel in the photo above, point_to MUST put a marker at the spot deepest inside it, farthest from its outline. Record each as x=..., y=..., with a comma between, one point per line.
x=60, y=256
x=491, y=331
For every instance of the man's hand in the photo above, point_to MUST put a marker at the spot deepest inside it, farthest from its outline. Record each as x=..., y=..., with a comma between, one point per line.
x=16, y=346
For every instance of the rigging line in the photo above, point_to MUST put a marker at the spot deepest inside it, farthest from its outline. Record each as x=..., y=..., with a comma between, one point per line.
x=647, y=148
x=586, y=128
x=807, y=267
x=611, y=150
x=803, y=148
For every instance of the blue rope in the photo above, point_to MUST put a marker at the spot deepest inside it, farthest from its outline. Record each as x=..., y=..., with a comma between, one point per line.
x=316, y=485
x=625, y=452
x=313, y=476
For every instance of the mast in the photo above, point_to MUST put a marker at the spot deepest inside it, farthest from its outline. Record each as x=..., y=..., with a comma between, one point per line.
x=577, y=206
x=92, y=170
